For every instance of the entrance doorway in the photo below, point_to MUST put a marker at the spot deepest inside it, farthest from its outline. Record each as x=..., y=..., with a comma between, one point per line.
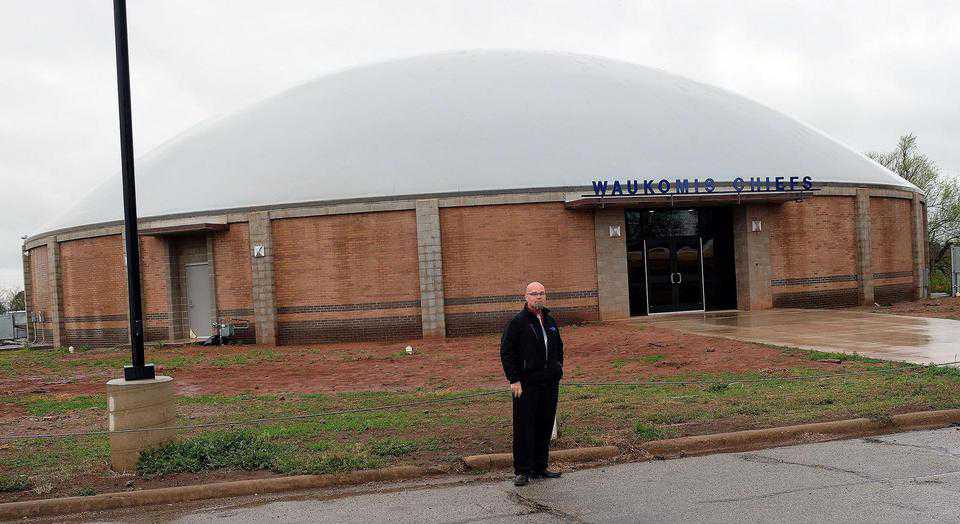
x=674, y=272
x=680, y=260
x=199, y=300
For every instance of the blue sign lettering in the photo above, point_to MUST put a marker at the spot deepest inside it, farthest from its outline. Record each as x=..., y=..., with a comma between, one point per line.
x=681, y=186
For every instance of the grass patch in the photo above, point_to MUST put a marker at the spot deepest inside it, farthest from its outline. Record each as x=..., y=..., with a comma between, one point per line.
x=646, y=359
x=337, y=462
x=57, y=457
x=30, y=360
x=13, y=483
x=85, y=491
x=40, y=405
x=242, y=450
x=842, y=357
x=393, y=447
x=645, y=432
x=248, y=451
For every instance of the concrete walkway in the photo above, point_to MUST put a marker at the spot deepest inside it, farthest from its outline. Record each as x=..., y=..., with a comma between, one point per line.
x=892, y=337
x=910, y=477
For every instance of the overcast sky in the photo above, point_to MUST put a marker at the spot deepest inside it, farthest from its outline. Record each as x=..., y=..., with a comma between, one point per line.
x=863, y=72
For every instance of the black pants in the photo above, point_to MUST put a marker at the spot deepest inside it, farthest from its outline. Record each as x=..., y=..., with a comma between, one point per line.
x=533, y=415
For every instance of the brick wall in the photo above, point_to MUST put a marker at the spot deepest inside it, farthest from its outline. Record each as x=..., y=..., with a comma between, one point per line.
x=155, y=288
x=40, y=294
x=356, y=277
x=891, y=246
x=94, y=292
x=347, y=277
x=231, y=255
x=490, y=253
x=813, y=253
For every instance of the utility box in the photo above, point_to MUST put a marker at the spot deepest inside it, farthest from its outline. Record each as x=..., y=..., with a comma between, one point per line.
x=955, y=269
x=13, y=325
x=6, y=326
x=19, y=324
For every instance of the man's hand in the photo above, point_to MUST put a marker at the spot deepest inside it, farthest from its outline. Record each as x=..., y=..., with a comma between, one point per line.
x=516, y=389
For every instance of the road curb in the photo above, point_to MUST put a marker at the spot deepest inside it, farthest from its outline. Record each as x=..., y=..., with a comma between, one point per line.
x=743, y=440
x=503, y=460
x=786, y=435
x=126, y=499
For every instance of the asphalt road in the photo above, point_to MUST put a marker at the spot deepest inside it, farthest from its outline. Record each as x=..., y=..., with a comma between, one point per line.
x=909, y=477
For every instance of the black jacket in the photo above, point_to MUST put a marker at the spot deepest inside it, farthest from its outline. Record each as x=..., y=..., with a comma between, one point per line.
x=522, y=352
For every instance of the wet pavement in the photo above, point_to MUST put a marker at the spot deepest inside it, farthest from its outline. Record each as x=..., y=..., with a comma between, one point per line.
x=893, y=337
x=909, y=477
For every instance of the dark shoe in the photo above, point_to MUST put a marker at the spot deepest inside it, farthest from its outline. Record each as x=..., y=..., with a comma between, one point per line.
x=520, y=480
x=547, y=474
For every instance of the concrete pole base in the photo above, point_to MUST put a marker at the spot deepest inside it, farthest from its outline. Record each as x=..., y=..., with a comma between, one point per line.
x=138, y=404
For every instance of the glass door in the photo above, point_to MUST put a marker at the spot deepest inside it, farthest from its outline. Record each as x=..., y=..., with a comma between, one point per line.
x=674, y=274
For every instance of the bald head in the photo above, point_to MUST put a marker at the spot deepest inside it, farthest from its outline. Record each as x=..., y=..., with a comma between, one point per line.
x=536, y=296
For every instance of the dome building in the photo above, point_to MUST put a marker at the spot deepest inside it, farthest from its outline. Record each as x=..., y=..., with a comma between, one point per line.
x=417, y=198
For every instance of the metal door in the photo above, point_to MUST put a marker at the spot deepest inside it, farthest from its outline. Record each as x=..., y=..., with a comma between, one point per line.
x=199, y=300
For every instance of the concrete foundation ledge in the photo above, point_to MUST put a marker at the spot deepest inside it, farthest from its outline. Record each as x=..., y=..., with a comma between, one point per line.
x=504, y=460
x=127, y=499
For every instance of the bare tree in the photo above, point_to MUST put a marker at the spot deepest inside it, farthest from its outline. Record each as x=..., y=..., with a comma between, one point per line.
x=6, y=296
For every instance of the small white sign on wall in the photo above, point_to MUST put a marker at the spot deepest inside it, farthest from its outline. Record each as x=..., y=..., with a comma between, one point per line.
x=614, y=231
x=259, y=251
x=756, y=226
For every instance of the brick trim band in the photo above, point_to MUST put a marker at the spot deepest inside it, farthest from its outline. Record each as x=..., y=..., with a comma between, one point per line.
x=813, y=280
x=348, y=330
x=826, y=299
x=96, y=318
x=235, y=312
x=893, y=274
x=113, y=318
x=368, y=306
x=482, y=322
x=495, y=299
x=111, y=336
x=892, y=293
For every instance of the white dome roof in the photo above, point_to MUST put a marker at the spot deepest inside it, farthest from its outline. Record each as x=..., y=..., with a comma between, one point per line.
x=474, y=121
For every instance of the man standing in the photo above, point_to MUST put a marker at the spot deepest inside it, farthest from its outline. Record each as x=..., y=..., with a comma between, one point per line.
x=531, y=352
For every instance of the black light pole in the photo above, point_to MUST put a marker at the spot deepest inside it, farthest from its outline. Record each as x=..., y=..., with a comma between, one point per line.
x=138, y=370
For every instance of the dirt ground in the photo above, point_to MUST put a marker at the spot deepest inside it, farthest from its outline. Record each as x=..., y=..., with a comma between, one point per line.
x=282, y=376
x=454, y=364
x=946, y=307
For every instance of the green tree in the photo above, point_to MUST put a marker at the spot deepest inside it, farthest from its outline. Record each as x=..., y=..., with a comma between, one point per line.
x=11, y=300
x=942, y=197
x=19, y=301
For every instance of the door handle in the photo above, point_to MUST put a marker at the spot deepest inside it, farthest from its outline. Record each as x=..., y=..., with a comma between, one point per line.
x=679, y=278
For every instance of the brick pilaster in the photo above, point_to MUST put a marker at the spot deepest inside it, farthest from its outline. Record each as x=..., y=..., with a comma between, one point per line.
x=919, y=246
x=430, y=256
x=55, y=283
x=264, y=287
x=752, y=256
x=27, y=289
x=613, y=291
x=864, y=252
